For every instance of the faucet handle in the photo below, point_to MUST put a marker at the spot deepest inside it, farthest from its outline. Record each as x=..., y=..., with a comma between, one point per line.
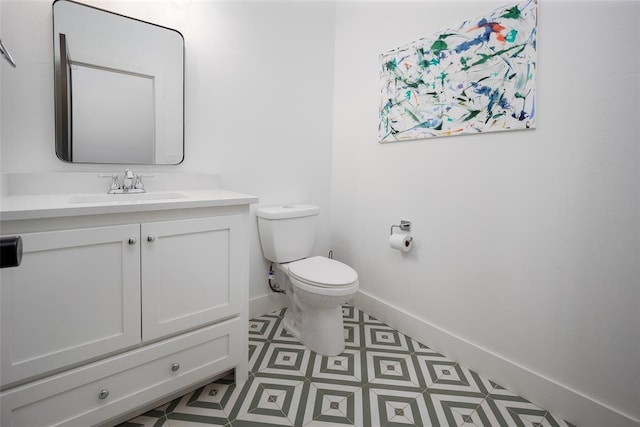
x=115, y=184
x=139, y=185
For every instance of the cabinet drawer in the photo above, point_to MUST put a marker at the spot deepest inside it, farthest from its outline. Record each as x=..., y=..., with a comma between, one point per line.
x=126, y=382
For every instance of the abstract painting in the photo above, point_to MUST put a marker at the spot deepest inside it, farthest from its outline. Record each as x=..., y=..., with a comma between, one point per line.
x=479, y=77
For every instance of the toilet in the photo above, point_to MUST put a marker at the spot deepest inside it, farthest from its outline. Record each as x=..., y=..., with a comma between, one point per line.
x=316, y=286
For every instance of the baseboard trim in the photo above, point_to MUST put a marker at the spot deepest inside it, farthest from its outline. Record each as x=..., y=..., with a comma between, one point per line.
x=265, y=304
x=562, y=401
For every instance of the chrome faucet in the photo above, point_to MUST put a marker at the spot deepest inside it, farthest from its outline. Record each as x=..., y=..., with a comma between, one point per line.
x=128, y=180
x=131, y=183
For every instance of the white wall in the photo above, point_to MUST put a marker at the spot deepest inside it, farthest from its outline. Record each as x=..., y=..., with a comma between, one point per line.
x=262, y=89
x=258, y=98
x=527, y=242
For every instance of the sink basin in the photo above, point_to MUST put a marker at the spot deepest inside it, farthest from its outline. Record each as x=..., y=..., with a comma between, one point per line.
x=124, y=198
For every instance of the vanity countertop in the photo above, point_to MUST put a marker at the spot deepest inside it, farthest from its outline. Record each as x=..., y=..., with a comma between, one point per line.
x=36, y=206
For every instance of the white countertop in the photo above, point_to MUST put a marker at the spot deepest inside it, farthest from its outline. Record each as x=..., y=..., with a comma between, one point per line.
x=35, y=206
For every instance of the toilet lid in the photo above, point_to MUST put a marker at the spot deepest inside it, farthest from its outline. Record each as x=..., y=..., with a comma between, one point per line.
x=323, y=272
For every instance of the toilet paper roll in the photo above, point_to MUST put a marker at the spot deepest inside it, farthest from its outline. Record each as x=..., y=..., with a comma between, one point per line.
x=402, y=242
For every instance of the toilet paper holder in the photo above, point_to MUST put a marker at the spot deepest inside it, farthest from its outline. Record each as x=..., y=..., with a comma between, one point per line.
x=404, y=225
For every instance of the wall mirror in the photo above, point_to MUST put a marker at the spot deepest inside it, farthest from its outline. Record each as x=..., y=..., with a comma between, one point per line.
x=119, y=88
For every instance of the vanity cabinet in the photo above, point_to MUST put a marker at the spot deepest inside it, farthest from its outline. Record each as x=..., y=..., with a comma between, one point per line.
x=109, y=313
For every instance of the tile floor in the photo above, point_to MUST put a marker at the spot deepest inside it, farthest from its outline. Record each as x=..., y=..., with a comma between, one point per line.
x=383, y=378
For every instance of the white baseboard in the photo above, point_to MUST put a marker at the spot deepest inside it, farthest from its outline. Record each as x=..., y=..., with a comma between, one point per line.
x=560, y=400
x=265, y=304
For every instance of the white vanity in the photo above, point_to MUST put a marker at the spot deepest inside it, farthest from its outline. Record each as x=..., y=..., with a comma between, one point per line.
x=120, y=302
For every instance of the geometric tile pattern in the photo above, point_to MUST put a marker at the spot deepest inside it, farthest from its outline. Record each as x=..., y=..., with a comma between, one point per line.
x=383, y=378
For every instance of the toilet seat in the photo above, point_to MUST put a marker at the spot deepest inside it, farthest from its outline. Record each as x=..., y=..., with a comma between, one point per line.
x=323, y=272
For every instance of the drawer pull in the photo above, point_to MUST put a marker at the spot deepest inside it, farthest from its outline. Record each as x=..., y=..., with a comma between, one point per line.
x=104, y=393
x=175, y=367
x=133, y=241
x=151, y=238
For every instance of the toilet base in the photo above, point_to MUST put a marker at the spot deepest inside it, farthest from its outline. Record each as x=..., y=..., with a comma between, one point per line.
x=320, y=329
x=291, y=325
x=314, y=314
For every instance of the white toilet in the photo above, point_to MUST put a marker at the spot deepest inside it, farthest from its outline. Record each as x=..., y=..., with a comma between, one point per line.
x=317, y=286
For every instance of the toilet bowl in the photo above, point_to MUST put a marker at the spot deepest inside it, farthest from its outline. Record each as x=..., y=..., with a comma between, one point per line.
x=316, y=286
x=316, y=289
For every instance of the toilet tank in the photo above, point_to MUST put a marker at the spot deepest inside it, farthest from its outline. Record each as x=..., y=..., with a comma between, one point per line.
x=287, y=232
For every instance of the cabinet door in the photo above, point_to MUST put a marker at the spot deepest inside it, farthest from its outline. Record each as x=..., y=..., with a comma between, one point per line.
x=191, y=273
x=75, y=296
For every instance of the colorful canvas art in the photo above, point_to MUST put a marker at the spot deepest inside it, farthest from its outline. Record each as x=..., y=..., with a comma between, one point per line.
x=479, y=77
